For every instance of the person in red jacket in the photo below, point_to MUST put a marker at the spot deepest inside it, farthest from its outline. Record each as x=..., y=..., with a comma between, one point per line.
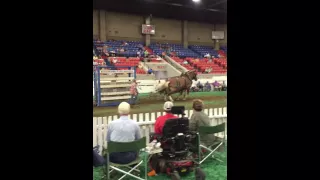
x=160, y=121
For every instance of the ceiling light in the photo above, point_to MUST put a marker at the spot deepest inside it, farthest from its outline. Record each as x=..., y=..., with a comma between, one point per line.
x=196, y=1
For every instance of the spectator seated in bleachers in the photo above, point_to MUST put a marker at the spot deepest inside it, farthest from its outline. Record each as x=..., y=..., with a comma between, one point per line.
x=139, y=53
x=216, y=86
x=123, y=130
x=114, y=60
x=208, y=70
x=146, y=53
x=185, y=62
x=224, y=86
x=207, y=85
x=150, y=71
x=200, y=86
x=207, y=55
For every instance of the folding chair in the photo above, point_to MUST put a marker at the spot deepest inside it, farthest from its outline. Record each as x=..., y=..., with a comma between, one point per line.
x=204, y=130
x=124, y=147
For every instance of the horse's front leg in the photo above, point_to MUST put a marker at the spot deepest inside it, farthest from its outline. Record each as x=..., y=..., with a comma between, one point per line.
x=170, y=98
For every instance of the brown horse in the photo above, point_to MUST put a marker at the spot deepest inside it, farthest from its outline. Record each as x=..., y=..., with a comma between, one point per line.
x=180, y=84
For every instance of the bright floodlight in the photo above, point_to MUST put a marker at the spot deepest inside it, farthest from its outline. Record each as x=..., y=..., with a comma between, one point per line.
x=196, y=1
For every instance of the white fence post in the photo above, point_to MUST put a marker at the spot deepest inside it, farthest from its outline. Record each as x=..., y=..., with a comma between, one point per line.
x=94, y=131
x=146, y=122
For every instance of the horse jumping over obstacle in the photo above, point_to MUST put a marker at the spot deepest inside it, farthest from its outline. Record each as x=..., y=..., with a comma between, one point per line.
x=180, y=84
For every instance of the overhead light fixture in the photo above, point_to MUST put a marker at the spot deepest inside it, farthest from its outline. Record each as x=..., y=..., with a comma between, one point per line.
x=196, y=1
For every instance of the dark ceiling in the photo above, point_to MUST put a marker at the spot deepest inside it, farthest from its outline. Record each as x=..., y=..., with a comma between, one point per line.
x=210, y=11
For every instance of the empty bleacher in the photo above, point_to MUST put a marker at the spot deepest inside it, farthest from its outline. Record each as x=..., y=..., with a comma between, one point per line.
x=203, y=50
x=178, y=49
x=202, y=64
x=130, y=47
x=180, y=61
x=123, y=61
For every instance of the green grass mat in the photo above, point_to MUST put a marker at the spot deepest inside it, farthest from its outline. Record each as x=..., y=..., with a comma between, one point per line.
x=214, y=170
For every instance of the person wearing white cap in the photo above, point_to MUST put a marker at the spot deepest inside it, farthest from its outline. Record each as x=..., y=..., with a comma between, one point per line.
x=160, y=121
x=123, y=130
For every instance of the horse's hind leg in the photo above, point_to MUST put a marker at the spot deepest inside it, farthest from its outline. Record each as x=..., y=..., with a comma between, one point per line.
x=165, y=97
x=185, y=95
x=180, y=94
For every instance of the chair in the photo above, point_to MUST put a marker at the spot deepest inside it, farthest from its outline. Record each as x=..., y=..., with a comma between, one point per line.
x=204, y=130
x=124, y=147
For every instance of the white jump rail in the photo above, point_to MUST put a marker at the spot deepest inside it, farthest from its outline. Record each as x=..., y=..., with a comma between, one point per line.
x=146, y=122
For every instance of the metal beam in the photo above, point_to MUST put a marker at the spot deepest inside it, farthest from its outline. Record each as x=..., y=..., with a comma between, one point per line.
x=192, y=7
x=216, y=3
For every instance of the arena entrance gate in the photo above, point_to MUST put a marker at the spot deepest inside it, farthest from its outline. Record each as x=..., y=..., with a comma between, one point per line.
x=113, y=86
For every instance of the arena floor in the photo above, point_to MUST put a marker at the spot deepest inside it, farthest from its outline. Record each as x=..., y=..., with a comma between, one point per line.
x=147, y=104
x=214, y=170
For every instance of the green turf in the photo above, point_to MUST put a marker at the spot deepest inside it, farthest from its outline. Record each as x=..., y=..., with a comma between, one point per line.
x=211, y=100
x=214, y=170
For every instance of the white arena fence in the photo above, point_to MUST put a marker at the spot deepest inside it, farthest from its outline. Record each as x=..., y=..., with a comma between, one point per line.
x=146, y=122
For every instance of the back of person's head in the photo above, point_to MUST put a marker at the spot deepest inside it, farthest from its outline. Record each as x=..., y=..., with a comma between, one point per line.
x=167, y=106
x=124, y=108
x=197, y=105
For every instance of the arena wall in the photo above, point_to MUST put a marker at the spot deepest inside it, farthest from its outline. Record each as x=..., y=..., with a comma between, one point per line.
x=120, y=26
x=199, y=33
x=96, y=24
x=123, y=26
x=222, y=27
x=167, y=31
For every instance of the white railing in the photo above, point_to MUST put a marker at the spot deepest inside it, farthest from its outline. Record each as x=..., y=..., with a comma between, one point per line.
x=146, y=122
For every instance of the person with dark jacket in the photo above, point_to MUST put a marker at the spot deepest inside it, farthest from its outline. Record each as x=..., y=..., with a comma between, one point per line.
x=97, y=159
x=199, y=118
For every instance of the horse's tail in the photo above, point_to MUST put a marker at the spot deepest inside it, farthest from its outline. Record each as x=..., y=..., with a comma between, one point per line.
x=160, y=87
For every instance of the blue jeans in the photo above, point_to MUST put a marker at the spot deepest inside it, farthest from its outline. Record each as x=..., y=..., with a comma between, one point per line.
x=133, y=99
x=123, y=157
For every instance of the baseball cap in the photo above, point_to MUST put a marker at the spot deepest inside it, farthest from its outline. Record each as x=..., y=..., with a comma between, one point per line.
x=167, y=106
